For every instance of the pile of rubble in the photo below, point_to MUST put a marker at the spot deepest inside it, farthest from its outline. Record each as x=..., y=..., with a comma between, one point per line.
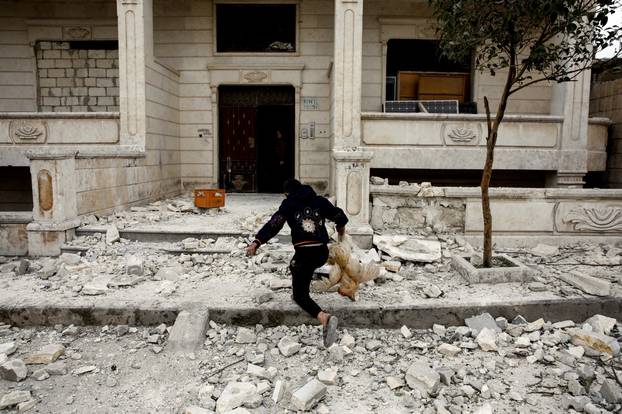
x=424, y=189
x=488, y=365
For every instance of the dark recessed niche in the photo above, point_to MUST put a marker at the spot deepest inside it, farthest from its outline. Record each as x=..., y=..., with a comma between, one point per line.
x=256, y=28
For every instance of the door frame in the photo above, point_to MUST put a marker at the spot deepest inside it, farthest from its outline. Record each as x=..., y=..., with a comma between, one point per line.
x=254, y=75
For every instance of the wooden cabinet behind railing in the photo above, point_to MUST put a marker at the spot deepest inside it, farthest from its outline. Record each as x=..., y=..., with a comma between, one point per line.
x=433, y=86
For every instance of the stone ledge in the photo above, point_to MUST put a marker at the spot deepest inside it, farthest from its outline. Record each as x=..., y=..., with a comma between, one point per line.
x=417, y=116
x=60, y=115
x=15, y=217
x=23, y=313
x=580, y=194
x=42, y=226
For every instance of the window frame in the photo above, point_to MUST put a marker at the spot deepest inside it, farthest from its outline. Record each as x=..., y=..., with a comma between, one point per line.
x=255, y=2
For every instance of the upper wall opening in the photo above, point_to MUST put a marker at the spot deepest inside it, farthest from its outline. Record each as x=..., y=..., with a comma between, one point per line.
x=416, y=71
x=258, y=28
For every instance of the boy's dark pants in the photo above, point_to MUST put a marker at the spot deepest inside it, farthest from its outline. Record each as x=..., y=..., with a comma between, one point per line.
x=302, y=266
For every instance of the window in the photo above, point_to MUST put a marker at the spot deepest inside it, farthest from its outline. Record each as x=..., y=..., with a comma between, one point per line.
x=256, y=28
x=416, y=71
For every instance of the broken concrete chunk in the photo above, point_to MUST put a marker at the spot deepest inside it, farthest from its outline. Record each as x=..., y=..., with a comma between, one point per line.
x=423, y=378
x=347, y=340
x=188, y=332
x=57, y=368
x=395, y=382
x=8, y=348
x=26, y=406
x=288, y=346
x=544, y=250
x=588, y=284
x=484, y=409
x=170, y=273
x=257, y=371
x=262, y=295
x=84, y=370
x=309, y=395
x=534, y=326
x=279, y=390
x=236, y=394
x=45, y=355
x=245, y=336
x=611, y=391
x=193, y=409
x=134, y=265
x=14, y=370
x=97, y=286
x=14, y=398
x=328, y=376
x=487, y=339
x=276, y=284
x=70, y=258
x=112, y=234
x=594, y=342
x=392, y=266
x=432, y=291
x=599, y=323
x=41, y=374
x=406, y=332
x=409, y=248
x=479, y=322
x=448, y=349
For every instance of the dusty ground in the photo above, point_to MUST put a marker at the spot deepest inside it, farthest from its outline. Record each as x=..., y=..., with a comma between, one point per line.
x=130, y=377
x=231, y=279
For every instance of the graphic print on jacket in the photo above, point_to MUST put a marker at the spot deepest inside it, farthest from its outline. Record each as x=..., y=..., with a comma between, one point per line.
x=310, y=220
x=306, y=213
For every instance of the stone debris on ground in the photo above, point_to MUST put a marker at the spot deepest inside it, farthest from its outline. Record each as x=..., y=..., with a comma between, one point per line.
x=415, y=267
x=525, y=365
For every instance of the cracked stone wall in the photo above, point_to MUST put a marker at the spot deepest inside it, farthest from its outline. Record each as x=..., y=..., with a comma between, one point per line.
x=405, y=214
x=77, y=79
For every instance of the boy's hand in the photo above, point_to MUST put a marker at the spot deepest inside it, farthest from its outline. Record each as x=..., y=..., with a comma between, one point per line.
x=251, y=250
x=341, y=231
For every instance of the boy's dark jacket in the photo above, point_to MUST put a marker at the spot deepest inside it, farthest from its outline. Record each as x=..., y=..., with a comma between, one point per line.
x=305, y=212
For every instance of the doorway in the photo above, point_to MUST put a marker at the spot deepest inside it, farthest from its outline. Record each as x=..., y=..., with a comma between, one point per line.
x=256, y=137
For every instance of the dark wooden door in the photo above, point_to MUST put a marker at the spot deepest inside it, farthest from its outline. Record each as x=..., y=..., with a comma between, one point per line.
x=238, y=149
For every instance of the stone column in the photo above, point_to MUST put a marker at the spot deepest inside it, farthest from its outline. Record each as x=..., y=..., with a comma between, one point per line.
x=135, y=20
x=572, y=101
x=350, y=164
x=55, y=211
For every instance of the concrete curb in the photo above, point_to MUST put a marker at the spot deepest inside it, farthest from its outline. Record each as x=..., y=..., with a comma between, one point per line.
x=350, y=315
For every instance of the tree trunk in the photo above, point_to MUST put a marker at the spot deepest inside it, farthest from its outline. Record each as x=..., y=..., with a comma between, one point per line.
x=491, y=141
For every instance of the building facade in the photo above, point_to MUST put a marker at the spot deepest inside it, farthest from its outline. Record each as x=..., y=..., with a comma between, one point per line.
x=105, y=105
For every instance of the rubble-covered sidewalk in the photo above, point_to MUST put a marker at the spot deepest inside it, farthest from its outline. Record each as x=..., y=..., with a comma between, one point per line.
x=106, y=270
x=487, y=365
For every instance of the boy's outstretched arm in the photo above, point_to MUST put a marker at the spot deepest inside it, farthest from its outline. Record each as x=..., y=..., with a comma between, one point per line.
x=269, y=230
x=336, y=215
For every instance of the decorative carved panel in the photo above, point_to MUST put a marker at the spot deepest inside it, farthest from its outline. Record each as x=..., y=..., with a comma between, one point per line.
x=461, y=133
x=354, y=196
x=591, y=217
x=46, y=194
x=77, y=32
x=28, y=131
x=255, y=76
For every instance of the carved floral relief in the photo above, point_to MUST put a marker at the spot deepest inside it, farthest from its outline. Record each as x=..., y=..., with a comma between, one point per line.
x=28, y=131
x=595, y=218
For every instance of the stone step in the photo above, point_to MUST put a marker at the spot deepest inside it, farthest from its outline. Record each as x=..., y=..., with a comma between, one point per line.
x=170, y=234
x=81, y=250
x=49, y=312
